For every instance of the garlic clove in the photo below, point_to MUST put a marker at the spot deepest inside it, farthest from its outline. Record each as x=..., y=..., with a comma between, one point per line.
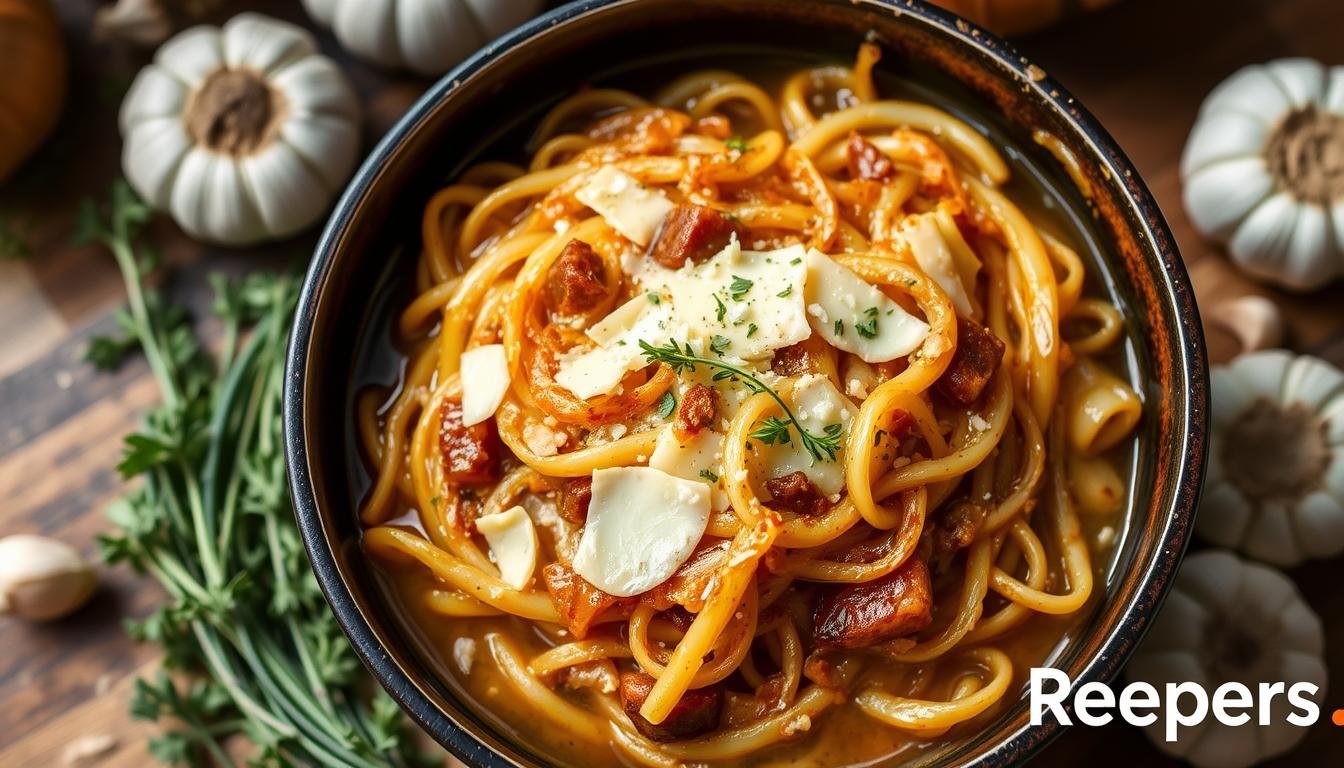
x=429, y=35
x=228, y=212
x=370, y=28
x=316, y=86
x=1333, y=98
x=1254, y=320
x=1303, y=80
x=1309, y=260
x=1333, y=416
x=1337, y=225
x=1270, y=536
x=1333, y=481
x=1319, y=524
x=329, y=144
x=42, y=579
x=154, y=94
x=1224, y=136
x=1213, y=584
x=187, y=197
x=499, y=16
x=1226, y=528
x=1231, y=396
x=151, y=155
x=263, y=44
x=282, y=183
x=1219, y=196
x=1260, y=243
x=1176, y=635
x=1263, y=372
x=1311, y=381
x=1251, y=91
x=192, y=55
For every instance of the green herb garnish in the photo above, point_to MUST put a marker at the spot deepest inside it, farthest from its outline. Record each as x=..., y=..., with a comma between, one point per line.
x=209, y=517
x=722, y=308
x=867, y=329
x=654, y=298
x=710, y=476
x=785, y=293
x=736, y=144
x=839, y=327
x=739, y=287
x=751, y=330
x=822, y=447
x=666, y=404
x=719, y=344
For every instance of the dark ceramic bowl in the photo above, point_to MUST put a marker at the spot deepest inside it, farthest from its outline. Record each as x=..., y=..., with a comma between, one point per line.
x=477, y=109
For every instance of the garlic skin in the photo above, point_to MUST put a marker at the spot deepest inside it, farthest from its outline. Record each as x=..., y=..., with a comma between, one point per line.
x=427, y=36
x=42, y=579
x=1274, y=487
x=1263, y=171
x=1228, y=620
x=243, y=133
x=1255, y=321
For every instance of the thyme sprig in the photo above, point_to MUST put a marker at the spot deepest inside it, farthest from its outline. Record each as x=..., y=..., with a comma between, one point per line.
x=210, y=518
x=823, y=447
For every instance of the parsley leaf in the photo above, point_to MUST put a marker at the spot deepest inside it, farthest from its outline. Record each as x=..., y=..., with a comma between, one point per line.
x=839, y=327
x=736, y=144
x=739, y=287
x=785, y=293
x=710, y=476
x=751, y=330
x=666, y=404
x=722, y=309
x=654, y=298
x=868, y=329
x=719, y=344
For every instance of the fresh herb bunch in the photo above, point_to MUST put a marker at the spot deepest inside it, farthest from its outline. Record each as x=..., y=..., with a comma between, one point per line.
x=210, y=519
x=773, y=430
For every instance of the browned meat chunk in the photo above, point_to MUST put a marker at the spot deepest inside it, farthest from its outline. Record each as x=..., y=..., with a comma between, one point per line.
x=575, y=496
x=646, y=130
x=693, y=233
x=695, y=412
x=577, y=281
x=793, y=360
x=796, y=493
x=857, y=616
x=978, y=355
x=580, y=604
x=697, y=713
x=689, y=587
x=469, y=454
x=865, y=160
x=953, y=531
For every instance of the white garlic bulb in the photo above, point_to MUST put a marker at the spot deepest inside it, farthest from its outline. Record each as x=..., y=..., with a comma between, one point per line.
x=243, y=133
x=1274, y=483
x=427, y=36
x=1264, y=171
x=41, y=578
x=1230, y=621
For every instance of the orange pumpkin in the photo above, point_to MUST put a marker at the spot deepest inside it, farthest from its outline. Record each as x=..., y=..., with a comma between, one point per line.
x=1017, y=17
x=32, y=78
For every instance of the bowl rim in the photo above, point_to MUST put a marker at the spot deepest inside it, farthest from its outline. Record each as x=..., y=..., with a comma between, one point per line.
x=1150, y=227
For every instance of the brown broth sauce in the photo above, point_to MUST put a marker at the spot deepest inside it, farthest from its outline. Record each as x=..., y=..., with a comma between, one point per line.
x=842, y=735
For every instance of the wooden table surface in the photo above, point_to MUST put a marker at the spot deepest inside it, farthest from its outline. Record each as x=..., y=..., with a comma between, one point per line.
x=1141, y=66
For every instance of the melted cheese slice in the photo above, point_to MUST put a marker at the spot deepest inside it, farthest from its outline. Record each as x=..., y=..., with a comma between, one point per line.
x=752, y=300
x=629, y=207
x=599, y=371
x=642, y=525
x=855, y=316
x=817, y=403
x=934, y=257
x=484, y=389
x=513, y=543
x=699, y=459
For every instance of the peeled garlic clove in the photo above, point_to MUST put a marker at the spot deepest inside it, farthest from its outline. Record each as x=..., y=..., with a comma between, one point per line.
x=41, y=578
x=1254, y=320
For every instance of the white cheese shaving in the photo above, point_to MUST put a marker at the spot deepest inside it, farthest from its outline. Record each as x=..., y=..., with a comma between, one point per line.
x=855, y=316
x=642, y=525
x=753, y=300
x=699, y=459
x=485, y=383
x=817, y=403
x=600, y=370
x=513, y=543
x=934, y=257
x=629, y=207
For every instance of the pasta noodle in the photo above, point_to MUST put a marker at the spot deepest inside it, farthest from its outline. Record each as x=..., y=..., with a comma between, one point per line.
x=941, y=493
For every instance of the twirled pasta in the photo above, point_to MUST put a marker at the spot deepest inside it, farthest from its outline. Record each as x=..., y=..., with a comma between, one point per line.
x=982, y=491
